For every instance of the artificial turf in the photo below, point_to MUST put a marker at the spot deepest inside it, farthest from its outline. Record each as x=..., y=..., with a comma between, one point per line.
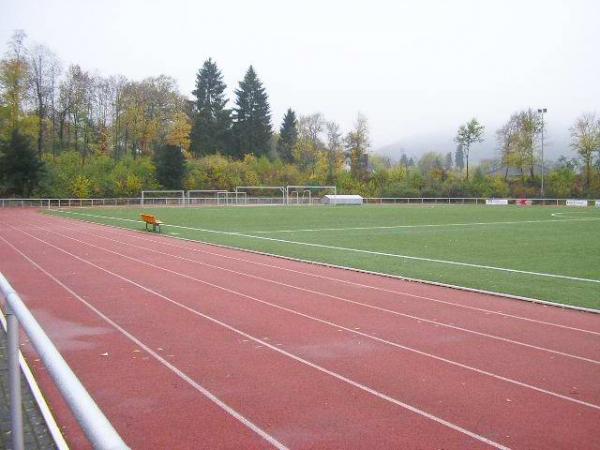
x=545, y=240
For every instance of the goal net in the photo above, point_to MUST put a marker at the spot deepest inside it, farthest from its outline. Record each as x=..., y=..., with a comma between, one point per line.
x=163, y=198
x=227, y=198
x=261, y=195
x=202, y=197
x=307, y=195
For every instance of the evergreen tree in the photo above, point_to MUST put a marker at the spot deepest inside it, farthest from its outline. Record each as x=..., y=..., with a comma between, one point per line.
x=288, y=136
x=252, y=125
x=459, y=158
x=449, y=162
x=170, y=166
x=20, y=167
x=212, y=121
x=404, y=160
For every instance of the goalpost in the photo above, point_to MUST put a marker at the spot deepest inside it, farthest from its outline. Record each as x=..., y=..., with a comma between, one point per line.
x=262, y=195
x=304, y=194
x=158, y=197
x=203, y=196
x=231, y=198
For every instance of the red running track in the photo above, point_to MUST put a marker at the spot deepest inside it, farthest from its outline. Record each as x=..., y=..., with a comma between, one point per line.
x=185, y=345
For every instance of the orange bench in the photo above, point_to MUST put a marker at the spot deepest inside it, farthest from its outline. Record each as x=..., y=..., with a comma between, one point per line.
x=151, y=220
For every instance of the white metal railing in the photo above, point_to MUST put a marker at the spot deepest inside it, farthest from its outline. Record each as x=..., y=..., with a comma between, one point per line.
x=94, y=423
x=224, y=198
x=468, y=201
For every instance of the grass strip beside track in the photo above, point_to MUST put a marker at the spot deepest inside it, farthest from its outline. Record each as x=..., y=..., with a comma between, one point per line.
x=551, y=254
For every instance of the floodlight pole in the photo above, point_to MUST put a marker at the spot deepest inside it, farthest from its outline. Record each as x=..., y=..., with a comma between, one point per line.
x=542, y=111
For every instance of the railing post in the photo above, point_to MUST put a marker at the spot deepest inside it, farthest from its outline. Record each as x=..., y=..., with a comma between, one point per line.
x=14, y=381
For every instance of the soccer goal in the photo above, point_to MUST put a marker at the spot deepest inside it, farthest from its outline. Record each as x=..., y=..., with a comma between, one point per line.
x=163, y=198
x=307, y=194
x=262, y=195
x=231, y=198
x=202, y=197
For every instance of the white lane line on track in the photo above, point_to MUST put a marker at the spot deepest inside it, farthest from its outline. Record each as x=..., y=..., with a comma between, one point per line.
x=442, y=225
x=279, y=350
x=323, y=277
x=350, y=330
x=228, y=409
x=357, y=250
x=342, y=299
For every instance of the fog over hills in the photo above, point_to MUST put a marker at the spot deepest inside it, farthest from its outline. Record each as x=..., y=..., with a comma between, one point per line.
x=556, y=143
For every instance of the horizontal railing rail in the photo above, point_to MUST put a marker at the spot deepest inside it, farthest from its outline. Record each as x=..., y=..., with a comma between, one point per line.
x=232, y=199
x=94, y=423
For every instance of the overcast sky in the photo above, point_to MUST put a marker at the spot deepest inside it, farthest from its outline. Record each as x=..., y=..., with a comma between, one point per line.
x=414, y=68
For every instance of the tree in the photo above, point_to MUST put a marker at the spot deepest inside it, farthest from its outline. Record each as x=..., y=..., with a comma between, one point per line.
x=507, y=140
x=529, y=128
x=170, y=166
x=309, y=142
x=449, y=162
x=14, y=77
x=252, y=117
x=117, y=87
x=179, y=131
x=518, y=140
x=76, y=96
x=404, y=161
x=45, y=69
x=149, y=107
x=431, y=166
x=288, y=137
x=212, y=120
x=334, y=149
x=585, y=140
x=357, y=146
x=468, y=134
x=459, y=158
x=20, y=168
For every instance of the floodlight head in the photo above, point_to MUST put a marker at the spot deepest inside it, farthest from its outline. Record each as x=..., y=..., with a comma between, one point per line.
x=542, y=110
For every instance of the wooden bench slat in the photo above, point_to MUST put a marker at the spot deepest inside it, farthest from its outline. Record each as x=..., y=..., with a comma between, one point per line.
x=150, y=219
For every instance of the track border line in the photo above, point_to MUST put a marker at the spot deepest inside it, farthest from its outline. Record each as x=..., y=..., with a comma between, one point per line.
x=358, y=270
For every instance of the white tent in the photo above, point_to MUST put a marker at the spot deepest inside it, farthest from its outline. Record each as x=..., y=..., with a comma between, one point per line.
x=342, y=200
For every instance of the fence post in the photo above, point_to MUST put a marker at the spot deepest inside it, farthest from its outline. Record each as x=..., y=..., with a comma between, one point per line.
x=14, y=380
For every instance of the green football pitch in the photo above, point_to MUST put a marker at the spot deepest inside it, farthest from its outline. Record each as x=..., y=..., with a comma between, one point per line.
x=547, y=253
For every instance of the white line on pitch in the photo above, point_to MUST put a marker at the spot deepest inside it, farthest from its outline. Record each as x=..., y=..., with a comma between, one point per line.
x=369, y=252
x=391, y=227
x=228, y=409
x=281, y=351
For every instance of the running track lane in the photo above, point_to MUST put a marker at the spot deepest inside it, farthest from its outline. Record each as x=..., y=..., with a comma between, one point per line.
x=83, y=242
x=500, y=411
x=510, y=358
